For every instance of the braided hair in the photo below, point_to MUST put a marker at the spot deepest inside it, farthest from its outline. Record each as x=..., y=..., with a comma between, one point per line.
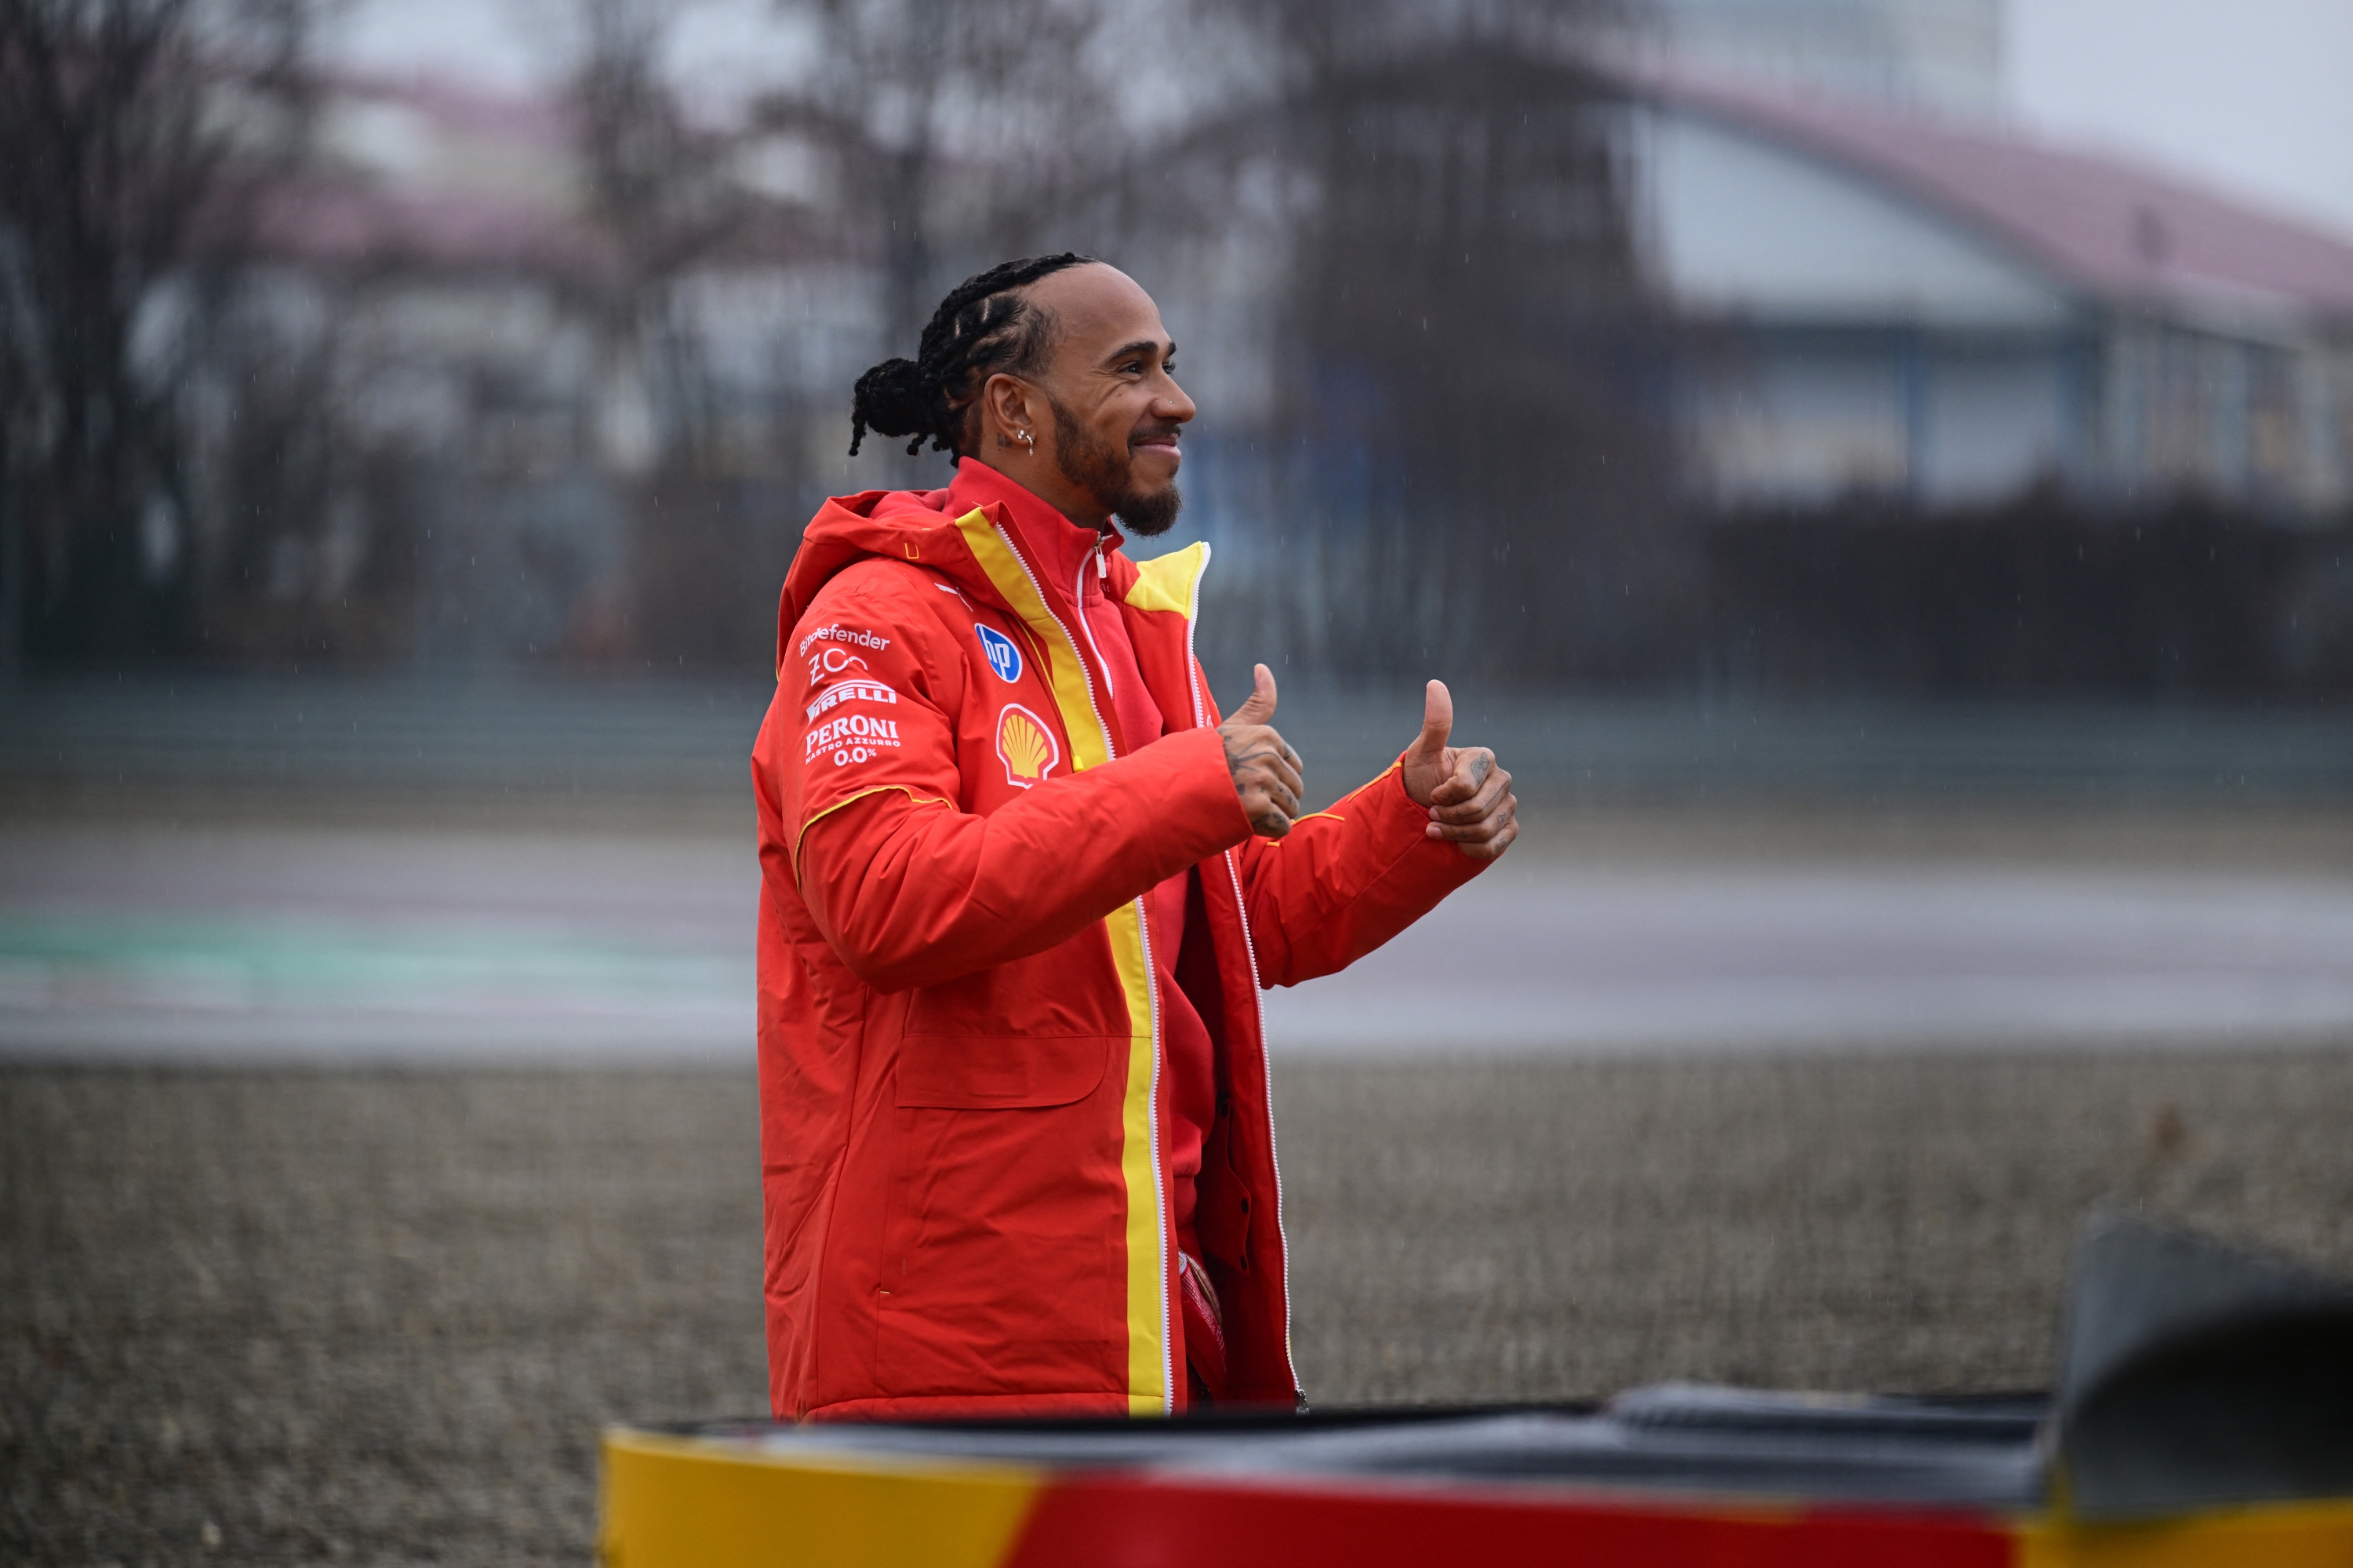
x=982, y=327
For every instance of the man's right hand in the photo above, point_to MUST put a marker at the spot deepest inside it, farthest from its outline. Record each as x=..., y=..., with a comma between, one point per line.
x=1265, y=768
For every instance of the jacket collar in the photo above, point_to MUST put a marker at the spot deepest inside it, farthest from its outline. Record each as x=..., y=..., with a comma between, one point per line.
x=1059, y=550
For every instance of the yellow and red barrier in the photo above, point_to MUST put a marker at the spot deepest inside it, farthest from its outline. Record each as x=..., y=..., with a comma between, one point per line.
x=700, y=1502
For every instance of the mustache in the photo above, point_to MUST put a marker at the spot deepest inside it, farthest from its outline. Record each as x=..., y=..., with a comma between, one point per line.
x=1157, y=431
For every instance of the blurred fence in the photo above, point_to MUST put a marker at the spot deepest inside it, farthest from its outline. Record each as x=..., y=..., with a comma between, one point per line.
x=682, y=745
x=1621, y=750
x=379, y=737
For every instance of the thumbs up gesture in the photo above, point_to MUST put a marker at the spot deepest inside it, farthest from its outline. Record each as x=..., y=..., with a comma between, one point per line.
x=1469, y=798
x=1265, y=768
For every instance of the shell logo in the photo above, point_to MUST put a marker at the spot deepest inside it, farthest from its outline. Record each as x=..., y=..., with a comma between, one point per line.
x=1026, y=742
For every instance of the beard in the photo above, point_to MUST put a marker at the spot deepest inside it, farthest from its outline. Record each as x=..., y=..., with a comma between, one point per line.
x=1104, y=472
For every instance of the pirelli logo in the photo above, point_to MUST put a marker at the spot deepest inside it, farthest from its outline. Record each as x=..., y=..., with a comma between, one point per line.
x=851, y=691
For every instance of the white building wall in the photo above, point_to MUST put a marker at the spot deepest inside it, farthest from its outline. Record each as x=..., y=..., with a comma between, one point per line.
x=1859, y=340
x=1995, y=421
x=1802, y=419
x=1734, y=226
x=1770, y=424
x=1862, y=342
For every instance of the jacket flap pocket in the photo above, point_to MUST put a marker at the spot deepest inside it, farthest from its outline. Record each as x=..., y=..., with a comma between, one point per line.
x=1001, y=1072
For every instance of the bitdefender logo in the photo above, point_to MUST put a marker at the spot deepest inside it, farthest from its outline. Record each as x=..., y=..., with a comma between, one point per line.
x=840, y=633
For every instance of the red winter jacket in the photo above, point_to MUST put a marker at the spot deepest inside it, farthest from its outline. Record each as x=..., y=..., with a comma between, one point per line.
x=961, y=1088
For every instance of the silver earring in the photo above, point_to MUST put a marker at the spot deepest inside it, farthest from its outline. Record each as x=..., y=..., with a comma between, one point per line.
x=1027, y=439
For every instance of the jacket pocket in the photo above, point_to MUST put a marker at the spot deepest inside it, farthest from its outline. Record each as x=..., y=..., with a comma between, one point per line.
x=1001, y=1072
x=1221, y=1209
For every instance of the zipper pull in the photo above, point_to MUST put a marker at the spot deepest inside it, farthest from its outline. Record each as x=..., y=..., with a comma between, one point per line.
x=1103, y=565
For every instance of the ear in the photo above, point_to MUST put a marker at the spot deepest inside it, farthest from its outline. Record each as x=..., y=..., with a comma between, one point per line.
x=1009, y=405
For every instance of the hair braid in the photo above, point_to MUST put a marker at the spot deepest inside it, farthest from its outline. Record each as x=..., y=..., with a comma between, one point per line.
x=983, y=326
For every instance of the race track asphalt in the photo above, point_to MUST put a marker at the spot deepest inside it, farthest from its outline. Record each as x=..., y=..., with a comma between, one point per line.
x=379, y=1316
x=260, y=942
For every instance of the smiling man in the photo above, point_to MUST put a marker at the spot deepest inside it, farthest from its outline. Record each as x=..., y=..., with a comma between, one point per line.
x=1020, y=888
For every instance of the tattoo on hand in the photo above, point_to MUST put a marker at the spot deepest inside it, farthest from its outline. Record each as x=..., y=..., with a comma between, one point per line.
x=1234, y=765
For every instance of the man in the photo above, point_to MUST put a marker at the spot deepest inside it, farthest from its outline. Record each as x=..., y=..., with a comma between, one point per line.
x=1020, y=888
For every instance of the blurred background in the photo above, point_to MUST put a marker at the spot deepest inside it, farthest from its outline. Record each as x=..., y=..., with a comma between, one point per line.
x=1929, y=349
x=1879, y=472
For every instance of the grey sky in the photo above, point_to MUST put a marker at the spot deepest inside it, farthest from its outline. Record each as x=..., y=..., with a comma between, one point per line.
x=2253, y=95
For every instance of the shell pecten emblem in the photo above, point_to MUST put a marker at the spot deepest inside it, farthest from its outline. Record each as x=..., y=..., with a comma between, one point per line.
x=1026, y=744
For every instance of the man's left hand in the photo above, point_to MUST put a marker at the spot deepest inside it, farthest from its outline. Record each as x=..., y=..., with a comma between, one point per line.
x=1470, y=798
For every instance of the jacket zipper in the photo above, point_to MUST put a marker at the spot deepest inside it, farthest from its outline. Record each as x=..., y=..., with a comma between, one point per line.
x=1079, y=597
x=1258, y=992
x=1273, y=1144
x=1151, y=985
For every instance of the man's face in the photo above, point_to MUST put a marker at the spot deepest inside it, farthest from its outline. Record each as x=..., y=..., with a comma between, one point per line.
x=1117, y=408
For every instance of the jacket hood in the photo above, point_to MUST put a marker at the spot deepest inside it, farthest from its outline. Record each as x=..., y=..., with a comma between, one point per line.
x=904, y=524
x=917, y=526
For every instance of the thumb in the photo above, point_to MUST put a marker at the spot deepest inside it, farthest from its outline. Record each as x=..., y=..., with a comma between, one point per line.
x=1260, y=705
x=1437, y=720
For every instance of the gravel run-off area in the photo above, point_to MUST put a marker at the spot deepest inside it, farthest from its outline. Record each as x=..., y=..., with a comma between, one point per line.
x=381, y=1317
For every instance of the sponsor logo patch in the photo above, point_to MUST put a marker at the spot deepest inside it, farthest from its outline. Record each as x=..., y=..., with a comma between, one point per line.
x=832, y=662
x=838, y=633
x=853, y=738
x=1002, y=657
x=1025, y=745
x=851, y=691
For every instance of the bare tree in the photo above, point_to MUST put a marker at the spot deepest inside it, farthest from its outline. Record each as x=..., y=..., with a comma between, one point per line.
x=662, y=193
x=955, y=129
x=123, y=126
x=944, y=131
x=1468, y=344
x=1467, y=364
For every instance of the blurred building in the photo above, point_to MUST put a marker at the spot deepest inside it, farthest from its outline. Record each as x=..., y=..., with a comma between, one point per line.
x=1943, y=55
x=1876, y=292
x=1951, y=312
x=505, y=393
